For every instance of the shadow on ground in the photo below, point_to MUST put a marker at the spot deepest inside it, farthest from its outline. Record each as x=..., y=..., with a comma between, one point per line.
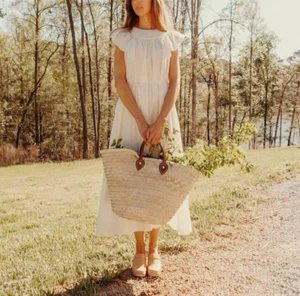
x=121, y=284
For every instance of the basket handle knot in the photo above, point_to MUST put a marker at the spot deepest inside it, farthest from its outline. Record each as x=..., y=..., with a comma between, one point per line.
x=140, y=163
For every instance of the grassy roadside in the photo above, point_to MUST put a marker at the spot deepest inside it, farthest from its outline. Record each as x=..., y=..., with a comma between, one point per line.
x=230, y=192
x=48, y=216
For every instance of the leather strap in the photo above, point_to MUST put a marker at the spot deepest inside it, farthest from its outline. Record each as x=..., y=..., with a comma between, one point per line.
x=140, y=163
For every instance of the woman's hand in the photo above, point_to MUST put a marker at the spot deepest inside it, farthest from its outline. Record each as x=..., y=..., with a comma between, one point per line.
x=155, y=132
x=143, y=127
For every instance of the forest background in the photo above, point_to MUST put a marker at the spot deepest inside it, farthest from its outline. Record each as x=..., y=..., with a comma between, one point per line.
x=57, y=92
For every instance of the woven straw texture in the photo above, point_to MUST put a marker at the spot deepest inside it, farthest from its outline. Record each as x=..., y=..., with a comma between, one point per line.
x=145, y=195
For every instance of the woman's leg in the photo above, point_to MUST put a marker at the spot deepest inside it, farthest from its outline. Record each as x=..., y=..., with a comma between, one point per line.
x=139, y=242
x=153, y=241
x=154, y=262
x=139, y=259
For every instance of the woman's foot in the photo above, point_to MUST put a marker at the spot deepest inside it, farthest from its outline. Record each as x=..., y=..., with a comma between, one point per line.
x=154, y=265
x=139, y=265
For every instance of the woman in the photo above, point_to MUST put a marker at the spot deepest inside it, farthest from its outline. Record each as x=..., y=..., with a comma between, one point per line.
x=147, y=79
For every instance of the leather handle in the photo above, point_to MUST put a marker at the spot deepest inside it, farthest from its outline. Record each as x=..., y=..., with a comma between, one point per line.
x=140, y=163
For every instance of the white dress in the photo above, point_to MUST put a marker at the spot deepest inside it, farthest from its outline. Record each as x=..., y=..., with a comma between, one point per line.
x=147, y=59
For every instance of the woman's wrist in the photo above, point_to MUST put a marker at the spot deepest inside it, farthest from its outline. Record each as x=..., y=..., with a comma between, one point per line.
x=140, y=120
x=161, y=120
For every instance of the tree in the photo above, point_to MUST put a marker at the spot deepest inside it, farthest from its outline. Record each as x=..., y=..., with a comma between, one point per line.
x=96, y=106
x=34, y=16
x=56, y=76
x=253, y=23
x=193, y=11
x=294, y=61
x=213, y=48
x=267, y=69
x=288, y=76
x=295, y=101
x=79, y=81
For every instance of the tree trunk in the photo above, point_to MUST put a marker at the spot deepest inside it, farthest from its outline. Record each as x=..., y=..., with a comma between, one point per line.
x=279, y=114
x=96, y=146
x=188, y=123
x=180, y=98
x=36, y=73
x=234, y=120
x=292, y=125
x=83, y=76
x=265, y=114
x=208, y=110
x=109, y=74
x=230, y=68
x=97, y=72
x=216, y=95
x=79, y=82
x=270, y=133
x=293, y=115
x=184, y=115
x=250, y=78
x=195, y=13
x=277, y=119
x=280, y=129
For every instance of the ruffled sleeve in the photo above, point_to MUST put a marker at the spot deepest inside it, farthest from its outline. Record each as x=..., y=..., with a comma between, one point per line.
x=121, y=38
x=173, y=40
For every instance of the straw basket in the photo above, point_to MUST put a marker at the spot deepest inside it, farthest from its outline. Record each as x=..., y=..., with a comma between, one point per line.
x=146, y=190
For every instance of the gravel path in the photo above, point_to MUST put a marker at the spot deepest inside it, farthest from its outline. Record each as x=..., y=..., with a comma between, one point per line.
x=259, y=258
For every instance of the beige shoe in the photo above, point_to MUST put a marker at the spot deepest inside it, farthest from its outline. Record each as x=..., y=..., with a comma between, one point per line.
x=154, y=265
x=139, y=265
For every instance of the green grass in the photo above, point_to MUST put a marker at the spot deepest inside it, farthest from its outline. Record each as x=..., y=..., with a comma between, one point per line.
x=48, y=217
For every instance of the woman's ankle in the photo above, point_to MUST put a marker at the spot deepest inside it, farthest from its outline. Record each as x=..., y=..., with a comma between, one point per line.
x=140, y=249
x=153, y=250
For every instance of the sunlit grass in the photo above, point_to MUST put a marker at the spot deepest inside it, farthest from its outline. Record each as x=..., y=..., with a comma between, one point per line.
x=48, y=217
x=270, y=165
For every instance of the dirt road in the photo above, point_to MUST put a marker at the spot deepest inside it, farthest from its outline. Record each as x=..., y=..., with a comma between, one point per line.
x=258, y=258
